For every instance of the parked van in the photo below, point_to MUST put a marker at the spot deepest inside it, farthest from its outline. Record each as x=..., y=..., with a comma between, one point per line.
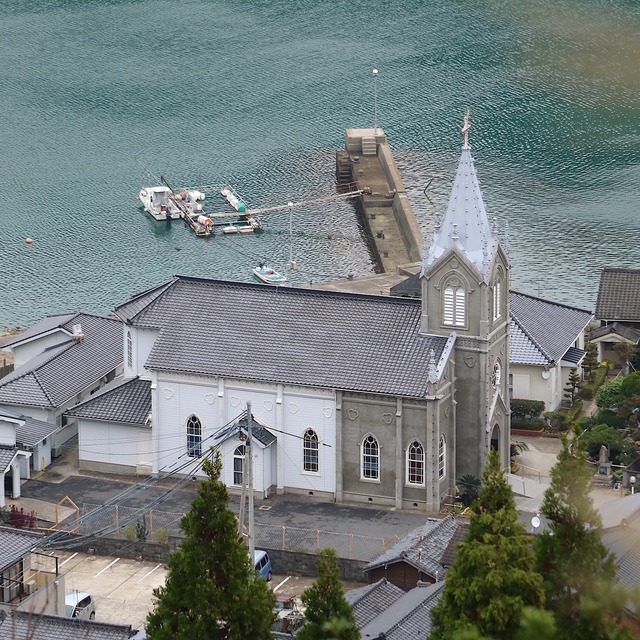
x=262, y=563
x=78, y=604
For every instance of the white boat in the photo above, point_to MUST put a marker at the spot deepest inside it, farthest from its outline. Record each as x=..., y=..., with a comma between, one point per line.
x=232, y=197
x=268, y=275
x=163, y=203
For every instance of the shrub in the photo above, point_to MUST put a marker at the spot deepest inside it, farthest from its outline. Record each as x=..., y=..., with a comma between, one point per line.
x=129, y=532
x=20, y=518
x=610, y=419
x=162, y=535
x=608, y=395
x=526, y=409
x=630, y=385
x=142, y=533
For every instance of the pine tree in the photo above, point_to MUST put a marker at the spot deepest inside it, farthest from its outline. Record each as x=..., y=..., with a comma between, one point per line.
x=211, y=591
x=328, y=616
x=590, y=361
x=492, y=578
x=572, y=385
x=578, y=571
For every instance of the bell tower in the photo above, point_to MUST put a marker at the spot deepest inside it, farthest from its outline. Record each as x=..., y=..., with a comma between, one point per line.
x=465, y=289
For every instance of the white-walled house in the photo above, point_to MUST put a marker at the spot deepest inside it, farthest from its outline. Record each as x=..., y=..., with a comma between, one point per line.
x=547, y=341
x=14, y=462
x=59, y=362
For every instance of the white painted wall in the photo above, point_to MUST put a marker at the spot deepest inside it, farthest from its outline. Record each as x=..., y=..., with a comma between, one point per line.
x=219, y=403
x=24, y=352
x=528, y=384
x=7, y=433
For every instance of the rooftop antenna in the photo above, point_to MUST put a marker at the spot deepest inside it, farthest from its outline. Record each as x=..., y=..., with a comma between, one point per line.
x=375, y=102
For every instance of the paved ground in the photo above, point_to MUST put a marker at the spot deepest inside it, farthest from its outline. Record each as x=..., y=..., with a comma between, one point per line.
x=122, y=589
x=63, y=479
x=537, y=463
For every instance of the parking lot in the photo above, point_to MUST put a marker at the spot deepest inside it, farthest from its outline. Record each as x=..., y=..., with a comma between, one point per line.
x=122, y=588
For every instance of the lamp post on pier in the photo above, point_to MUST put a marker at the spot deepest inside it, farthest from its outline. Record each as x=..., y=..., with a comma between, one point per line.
x=375, y=102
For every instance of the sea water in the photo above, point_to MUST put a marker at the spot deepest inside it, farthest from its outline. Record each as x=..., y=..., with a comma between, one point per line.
x=99, y=98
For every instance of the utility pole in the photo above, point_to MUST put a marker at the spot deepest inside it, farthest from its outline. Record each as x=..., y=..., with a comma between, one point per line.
x=252, y=544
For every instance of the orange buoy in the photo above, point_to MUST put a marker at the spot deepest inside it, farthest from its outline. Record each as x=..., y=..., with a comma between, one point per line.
x=28, y=240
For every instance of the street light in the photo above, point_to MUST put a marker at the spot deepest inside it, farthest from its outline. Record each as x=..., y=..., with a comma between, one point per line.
x=632, y=480
x=375, y=102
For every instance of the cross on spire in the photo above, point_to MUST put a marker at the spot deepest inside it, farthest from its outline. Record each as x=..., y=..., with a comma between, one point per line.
x=466, y=126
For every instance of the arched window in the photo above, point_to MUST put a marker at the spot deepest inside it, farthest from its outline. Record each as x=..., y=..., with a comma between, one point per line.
x=194, y=437
x=310, y=451
x=238, y=465
x=497, y=295
x=129, y=350
x=370, y=459
x=442, y=457
x=415, y=463
x=454, y=304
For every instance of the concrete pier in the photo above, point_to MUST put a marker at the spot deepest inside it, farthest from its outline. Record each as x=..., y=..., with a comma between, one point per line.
x=386, y=214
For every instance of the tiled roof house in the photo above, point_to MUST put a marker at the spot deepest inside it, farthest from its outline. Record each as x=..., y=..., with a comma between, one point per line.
x=618, y=312
x=423, y=555
x=59, y=362
x=382, y=610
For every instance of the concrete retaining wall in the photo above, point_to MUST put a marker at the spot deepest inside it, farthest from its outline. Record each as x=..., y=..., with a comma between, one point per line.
x=283, y=562
x=402, y=211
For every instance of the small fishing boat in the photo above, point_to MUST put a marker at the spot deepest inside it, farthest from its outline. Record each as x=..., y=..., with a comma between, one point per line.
x=163, y=203
x=268, y=275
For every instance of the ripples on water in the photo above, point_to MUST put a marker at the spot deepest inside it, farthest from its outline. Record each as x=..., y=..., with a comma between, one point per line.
x=94, y=94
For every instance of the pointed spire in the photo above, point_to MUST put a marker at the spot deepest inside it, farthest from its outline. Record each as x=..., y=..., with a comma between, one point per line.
x=465, y=212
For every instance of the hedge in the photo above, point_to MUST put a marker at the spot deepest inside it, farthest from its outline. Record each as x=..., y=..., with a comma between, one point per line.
x=526, y=409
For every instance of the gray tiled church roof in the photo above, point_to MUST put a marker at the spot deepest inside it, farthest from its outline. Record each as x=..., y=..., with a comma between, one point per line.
x=550, y=327
x=619, y=295
x=23, y=624
x=297, y=336
x=125, y=400
x=61, y=372
x=140, y=301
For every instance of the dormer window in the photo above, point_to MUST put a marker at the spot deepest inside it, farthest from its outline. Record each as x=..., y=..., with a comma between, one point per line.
x=454, y=304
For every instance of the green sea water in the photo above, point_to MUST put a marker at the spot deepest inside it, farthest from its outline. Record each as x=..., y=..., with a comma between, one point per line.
x=97, y=94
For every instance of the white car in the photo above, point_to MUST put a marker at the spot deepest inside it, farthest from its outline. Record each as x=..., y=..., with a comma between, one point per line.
x=79, y=605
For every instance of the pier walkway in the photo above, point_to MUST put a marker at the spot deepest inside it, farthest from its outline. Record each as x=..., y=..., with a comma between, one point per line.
x=386, y=214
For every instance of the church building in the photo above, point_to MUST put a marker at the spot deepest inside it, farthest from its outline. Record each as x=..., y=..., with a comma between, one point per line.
x=364, y=398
